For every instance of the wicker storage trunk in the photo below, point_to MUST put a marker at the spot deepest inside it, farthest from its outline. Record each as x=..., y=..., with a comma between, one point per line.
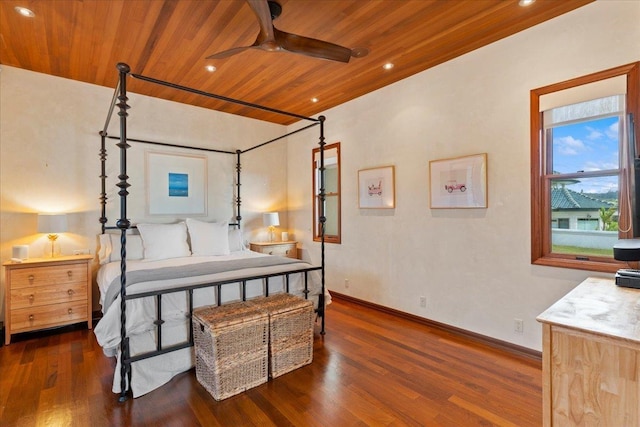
x=231, y=348
x=290, y=332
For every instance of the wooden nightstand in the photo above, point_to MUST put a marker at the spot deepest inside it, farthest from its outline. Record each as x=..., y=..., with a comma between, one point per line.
x=47, y=292
x=287, y=249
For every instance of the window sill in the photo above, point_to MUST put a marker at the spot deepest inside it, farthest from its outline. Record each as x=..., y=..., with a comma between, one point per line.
x=327, y=239
x=603, y=266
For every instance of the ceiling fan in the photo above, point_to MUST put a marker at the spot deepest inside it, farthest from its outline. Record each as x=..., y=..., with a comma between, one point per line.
x=273, y=40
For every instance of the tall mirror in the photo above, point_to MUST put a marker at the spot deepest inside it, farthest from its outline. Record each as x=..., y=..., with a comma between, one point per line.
x=332, y=193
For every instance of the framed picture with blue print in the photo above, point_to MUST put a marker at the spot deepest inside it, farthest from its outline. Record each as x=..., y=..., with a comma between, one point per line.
x=176, y=184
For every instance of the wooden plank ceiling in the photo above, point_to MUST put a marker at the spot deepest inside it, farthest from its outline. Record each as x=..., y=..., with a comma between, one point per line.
x=170, y=39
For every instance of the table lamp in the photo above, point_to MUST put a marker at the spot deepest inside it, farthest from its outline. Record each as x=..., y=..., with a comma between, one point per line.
x=271, y=220
x=52, y=224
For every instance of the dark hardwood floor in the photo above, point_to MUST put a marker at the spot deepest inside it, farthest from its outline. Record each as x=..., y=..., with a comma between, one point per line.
x=370, y=369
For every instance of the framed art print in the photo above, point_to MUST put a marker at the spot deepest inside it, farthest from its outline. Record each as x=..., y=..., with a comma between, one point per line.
x=458, y=183
x=376, y=188
x=176, y=184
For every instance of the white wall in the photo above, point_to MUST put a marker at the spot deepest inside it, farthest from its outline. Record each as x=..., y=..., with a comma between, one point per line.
x=473, y=266
x=49, y=159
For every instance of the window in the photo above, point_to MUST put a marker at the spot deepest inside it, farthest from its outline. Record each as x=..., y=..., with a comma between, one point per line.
x=591, y=224
x=332, y=193
x=581, y=168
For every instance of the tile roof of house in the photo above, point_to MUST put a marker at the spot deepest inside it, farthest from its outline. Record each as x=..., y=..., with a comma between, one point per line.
x=563, y=198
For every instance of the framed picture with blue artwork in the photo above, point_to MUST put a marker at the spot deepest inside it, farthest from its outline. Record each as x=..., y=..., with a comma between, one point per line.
x=176, y=184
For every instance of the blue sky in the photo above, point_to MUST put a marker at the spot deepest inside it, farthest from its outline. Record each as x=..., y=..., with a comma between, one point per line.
x=588, y=146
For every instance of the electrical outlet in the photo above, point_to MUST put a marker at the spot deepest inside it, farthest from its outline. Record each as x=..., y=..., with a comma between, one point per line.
x=423, y=301
x=82, y=251
x=518, y=326
x=346, y=283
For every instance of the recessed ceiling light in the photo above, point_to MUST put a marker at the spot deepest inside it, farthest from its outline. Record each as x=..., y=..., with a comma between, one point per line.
x=388, y=66
x=524, y=3
x=24, y=11
x=210, y=68
x=314, y=99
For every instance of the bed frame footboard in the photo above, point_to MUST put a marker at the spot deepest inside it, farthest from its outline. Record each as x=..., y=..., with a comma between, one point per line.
x=127, y=359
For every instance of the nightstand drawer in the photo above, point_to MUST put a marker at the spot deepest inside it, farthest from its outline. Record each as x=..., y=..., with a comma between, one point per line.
x=42, y=295
x=50, y=275
x=27, y=319
x=280, y=250
x=285, y=249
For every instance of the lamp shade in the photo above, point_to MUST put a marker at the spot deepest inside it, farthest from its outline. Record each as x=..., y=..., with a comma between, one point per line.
x=52, y=223
x=270, y=219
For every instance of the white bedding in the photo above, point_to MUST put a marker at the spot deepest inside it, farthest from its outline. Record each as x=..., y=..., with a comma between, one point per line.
x=151, y=373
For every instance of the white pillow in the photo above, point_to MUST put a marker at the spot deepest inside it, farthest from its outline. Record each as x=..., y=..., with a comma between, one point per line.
x=208, y=238
x=162, y=241
x=110, y=247
x=235, y=240
x=104, y=249
x=134, y=247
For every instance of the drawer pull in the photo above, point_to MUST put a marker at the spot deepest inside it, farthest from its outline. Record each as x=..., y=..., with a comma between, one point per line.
x=70, y=292
x=70, y=311
x=271, y=253
x=31, y=317
x=31, y=297
x=69, y=273
x=31, y=277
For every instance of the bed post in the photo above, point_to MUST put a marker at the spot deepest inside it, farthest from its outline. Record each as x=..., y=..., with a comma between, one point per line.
x=103, y=159
x=238, y=200
x=123, y=224
x=323, y=219
x=103, y=179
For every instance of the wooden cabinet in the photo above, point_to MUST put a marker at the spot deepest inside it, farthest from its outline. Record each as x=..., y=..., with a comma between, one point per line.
x=591, y=356
x=286, y=249
x=47, y=292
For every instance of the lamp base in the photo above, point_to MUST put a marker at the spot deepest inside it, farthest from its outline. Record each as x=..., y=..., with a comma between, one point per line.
x=52, y=250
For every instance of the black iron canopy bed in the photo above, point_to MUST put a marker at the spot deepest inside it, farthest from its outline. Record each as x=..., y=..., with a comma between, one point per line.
x=149, y=329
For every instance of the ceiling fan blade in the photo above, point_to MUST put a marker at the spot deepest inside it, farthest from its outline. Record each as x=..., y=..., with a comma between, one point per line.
x=311, y=47
x=229, y=52
x=266, y=38
x=271, y=39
